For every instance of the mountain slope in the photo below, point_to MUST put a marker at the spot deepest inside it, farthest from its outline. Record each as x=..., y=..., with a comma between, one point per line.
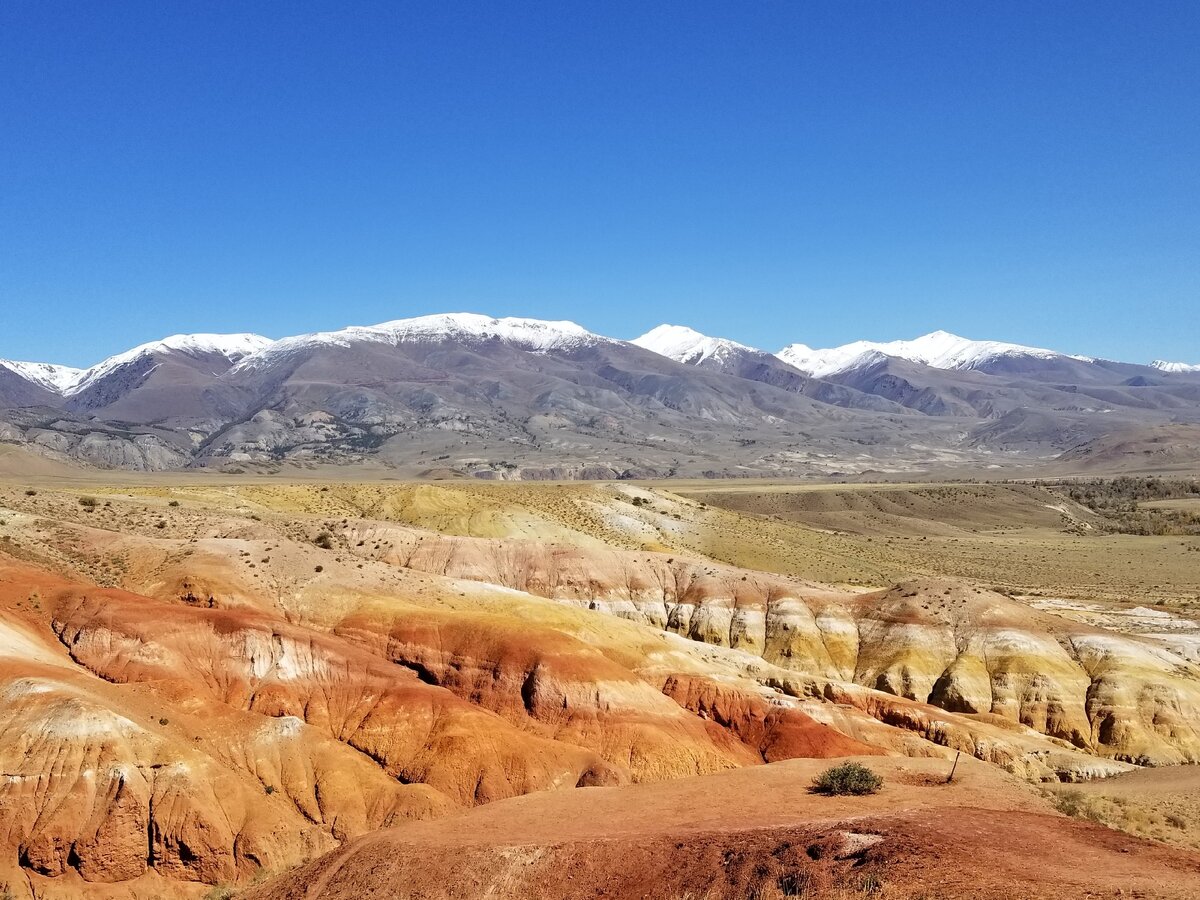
x=172, y=379
x=52, y=377
x=16, y=389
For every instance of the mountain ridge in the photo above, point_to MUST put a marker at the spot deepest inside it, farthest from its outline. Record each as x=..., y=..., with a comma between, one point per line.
x=529, y=398
x=938, y=349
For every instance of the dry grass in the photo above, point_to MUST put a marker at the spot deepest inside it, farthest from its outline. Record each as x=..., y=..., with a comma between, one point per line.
x=857, y=887
x=1174, y=823
x=1012, y=537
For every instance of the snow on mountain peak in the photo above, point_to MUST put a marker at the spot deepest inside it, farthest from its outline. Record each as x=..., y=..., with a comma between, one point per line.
x=939, y=350
x=686, y=345
x=53, y=378
x=529, y=334
x=231, y=346
x=1175, y=368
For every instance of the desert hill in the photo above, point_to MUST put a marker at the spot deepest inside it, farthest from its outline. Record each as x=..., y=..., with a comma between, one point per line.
x=212, y=682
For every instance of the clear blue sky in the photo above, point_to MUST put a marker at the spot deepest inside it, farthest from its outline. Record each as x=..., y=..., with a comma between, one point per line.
x=767, y=171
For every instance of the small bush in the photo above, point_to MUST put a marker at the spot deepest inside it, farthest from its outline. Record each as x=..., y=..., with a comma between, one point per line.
x=31, y=493
x=173, y=503
x=87, y=502
x=848, y=778
x=324, y=540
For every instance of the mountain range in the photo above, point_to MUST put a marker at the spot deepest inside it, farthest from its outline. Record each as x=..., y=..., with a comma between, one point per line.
x=466, y=394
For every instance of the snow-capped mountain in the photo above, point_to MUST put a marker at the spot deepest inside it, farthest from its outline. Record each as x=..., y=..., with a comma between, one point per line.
x=1175, y=368
x=483, y=394
x=686, y=345
x=833, y=361
x=527, y=334
x=66, y=381
x=231, y=347
x=938, y=350
x=47, y=375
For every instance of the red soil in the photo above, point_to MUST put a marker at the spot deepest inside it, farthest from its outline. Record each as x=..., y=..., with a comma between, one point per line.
x=754, y=832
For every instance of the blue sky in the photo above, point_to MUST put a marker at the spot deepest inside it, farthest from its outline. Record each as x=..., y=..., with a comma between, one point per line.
x=767, y=171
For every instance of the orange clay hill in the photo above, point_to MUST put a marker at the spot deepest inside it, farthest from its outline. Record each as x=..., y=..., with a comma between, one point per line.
x=275, y=691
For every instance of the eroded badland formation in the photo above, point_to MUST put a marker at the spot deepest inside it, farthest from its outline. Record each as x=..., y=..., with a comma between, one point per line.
x=605, y=690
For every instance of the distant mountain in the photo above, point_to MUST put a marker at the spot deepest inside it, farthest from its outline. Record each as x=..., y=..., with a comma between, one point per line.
x=686, y=345
x=175, y=381
x=525, y=398
x=507, y=393
x=690, y=347
x=938, y=350
x=56, y=379
x=1175, y=368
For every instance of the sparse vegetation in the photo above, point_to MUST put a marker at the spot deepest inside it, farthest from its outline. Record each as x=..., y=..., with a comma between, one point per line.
x=88, y=503
x=1124, y=814
x=847, y=778
x=1121, y=501
x=324, y=540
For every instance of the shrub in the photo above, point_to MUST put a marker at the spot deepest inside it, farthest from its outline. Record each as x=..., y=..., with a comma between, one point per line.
x=173, y=503
x=87, y=502
x=848, y=778
x=324, y=540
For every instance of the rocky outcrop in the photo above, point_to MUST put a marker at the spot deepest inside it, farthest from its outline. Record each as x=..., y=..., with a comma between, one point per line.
x=411, y=729
x=776, y=730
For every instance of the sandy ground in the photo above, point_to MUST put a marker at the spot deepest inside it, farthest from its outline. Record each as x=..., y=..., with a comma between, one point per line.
x=757, y=833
